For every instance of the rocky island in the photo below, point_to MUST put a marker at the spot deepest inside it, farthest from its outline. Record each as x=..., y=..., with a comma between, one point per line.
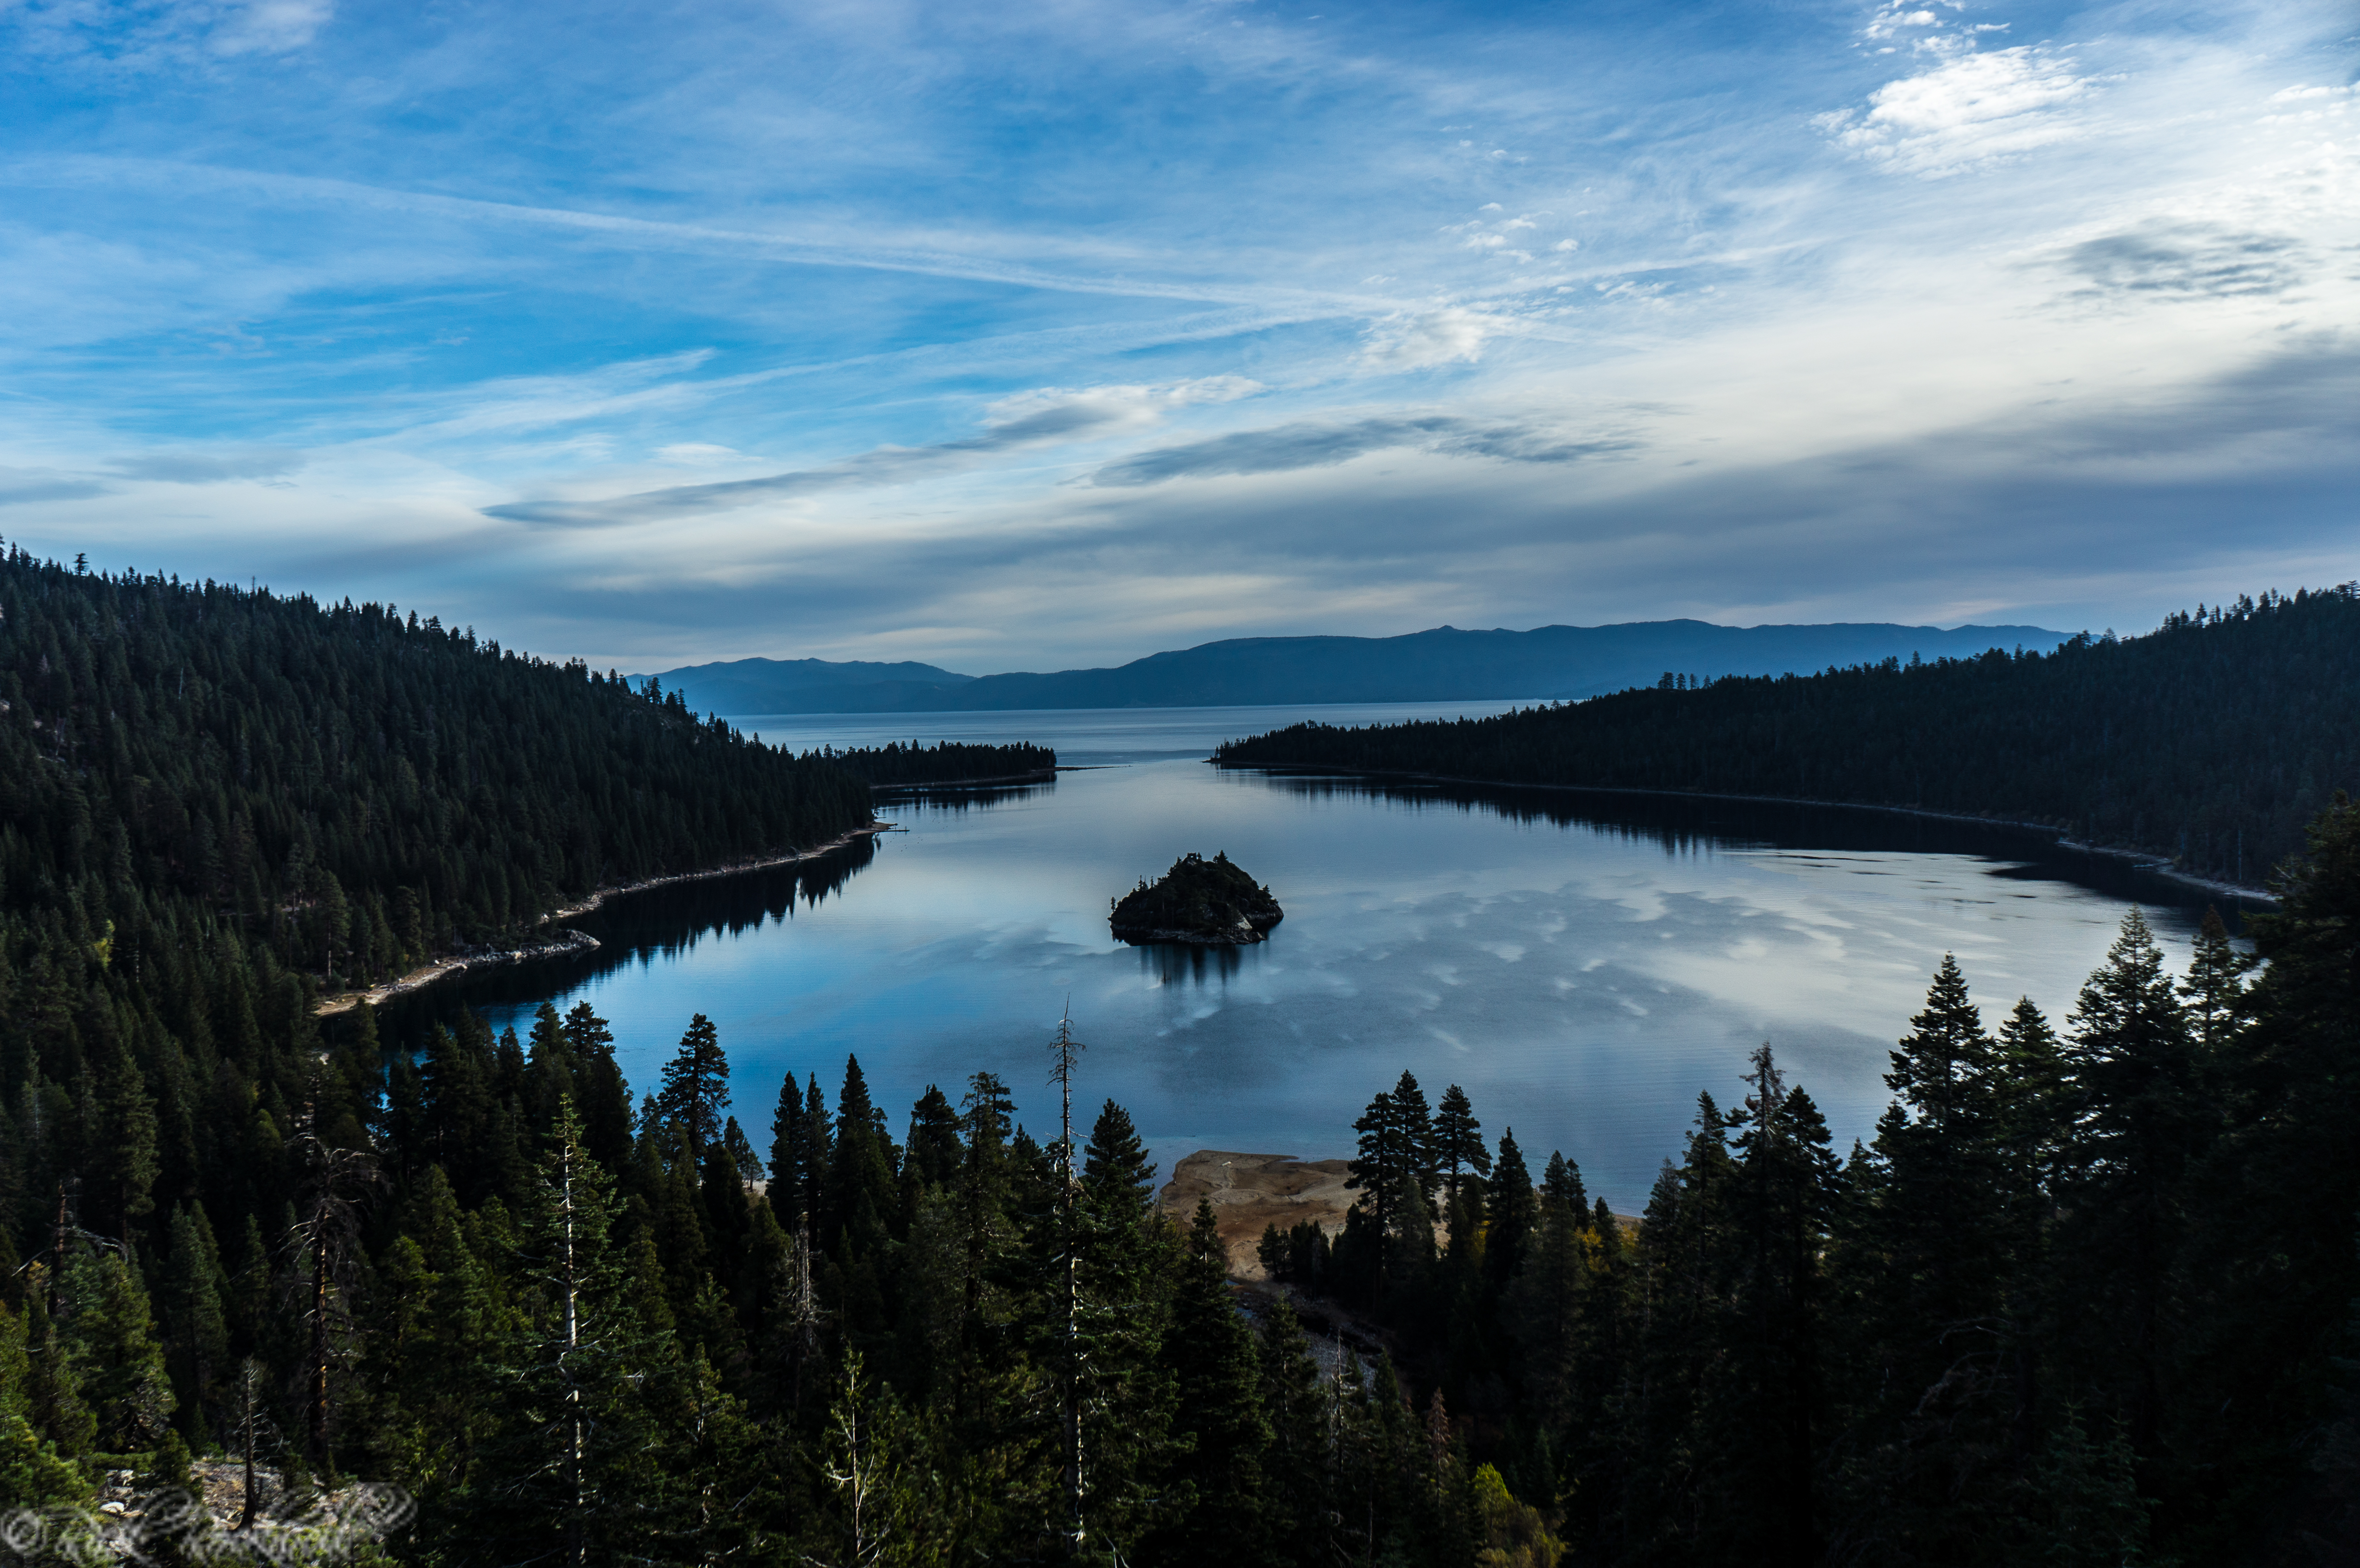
x=1209, y=903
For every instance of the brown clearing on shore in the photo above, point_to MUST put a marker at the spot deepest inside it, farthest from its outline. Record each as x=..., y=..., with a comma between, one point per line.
x=1252, y=1191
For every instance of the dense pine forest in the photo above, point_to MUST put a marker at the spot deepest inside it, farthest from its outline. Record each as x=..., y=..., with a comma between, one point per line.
x=2090, y=1295
x=333, y=790
x=2088, y=1298
x=895, y=766
x=2209, y=742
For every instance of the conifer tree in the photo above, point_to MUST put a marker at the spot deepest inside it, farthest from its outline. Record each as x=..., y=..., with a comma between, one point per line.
x=1542, y=1308
x=53, y=1385
x=787, y=1156
x=1771, y=1417
x=2034, y=1107
x=2270, y=1264
x=107, y=1337
x=32, y=1473
x=566, y=1466
x=1416, y=1131
x=1126, y=1260
x=1514, y=1212
x=195, y=1327
x=740, y=1149
x=1682, y=1273
x=986, y=1195
x=130, y=1156
x=2142, y=1117
x=861, y=1182
x=1377, y=1169
x=443, y=1306
x=602, y=1100
x=2082, y=1508
x=1294, y=1407
x=874, y=1512
x=1561, y=1185
x=1458, y=1140
x=550, y=1069
x=2214, y=991
x=695, y=1092
x=1115, y=1170
x=1933, y=1260
x=817, y=1152
x=459, y=1111
x=1941, y=1145
x=932, y=1155
x=728, y=1224
x=1221, y=1434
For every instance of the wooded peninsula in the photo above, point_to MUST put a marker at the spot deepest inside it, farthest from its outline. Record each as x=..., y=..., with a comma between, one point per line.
x=2210, y=743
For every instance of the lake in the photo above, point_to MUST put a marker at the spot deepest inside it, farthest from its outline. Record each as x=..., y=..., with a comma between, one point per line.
x=1582, y=963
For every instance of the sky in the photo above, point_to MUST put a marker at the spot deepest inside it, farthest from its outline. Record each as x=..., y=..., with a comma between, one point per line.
x=1048, y=335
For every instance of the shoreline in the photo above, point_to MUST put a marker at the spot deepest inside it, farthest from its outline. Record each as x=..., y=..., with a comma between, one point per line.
x=2144, y=860
x=575, y=941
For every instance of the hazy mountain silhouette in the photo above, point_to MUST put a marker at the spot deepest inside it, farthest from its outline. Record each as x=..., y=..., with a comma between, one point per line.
x=1445, y=663
x=810, y=686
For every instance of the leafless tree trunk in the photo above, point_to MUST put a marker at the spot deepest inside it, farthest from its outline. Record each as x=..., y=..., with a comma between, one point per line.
x=253, y=1494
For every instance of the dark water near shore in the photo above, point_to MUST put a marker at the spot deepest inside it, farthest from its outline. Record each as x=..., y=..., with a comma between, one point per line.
x=1583, y=964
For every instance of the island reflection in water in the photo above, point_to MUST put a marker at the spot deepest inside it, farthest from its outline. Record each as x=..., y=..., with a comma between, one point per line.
x=1583, y=964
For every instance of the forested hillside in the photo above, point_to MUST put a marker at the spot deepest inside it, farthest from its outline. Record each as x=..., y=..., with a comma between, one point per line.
x=335, y=785
x=214, y=802
x=2209, y=742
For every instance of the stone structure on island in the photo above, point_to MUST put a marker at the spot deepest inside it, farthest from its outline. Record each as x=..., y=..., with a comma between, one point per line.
x=1208, y=903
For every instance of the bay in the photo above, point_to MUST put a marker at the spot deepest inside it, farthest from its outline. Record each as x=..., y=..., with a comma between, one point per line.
x=1583, y=964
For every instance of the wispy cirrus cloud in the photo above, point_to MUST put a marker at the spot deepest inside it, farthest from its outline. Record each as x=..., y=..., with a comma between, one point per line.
x=209, y=467
x=125, y=34
x=1285, y=448
x=24, y=487
x=1038, y=419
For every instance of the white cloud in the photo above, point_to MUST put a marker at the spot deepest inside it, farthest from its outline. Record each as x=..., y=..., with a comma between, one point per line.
x=1969, y=110
x=1416, y=339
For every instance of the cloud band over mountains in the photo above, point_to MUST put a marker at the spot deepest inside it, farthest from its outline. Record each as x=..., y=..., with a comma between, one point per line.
x=1313, y=445
x=1051, y=418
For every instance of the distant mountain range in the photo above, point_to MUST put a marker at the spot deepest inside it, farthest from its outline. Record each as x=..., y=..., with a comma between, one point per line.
x=1441, y=665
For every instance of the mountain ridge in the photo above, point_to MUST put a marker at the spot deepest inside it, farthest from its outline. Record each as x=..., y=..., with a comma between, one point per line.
x=1439, y=664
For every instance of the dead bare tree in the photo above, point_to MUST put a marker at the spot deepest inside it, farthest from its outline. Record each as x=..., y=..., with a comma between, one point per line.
x=321, y=1251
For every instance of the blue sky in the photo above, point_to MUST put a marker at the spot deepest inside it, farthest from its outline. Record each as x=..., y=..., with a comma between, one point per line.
x=1035, y=336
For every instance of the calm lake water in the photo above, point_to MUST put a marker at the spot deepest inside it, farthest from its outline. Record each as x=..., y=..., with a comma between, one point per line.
x=1584, y=964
